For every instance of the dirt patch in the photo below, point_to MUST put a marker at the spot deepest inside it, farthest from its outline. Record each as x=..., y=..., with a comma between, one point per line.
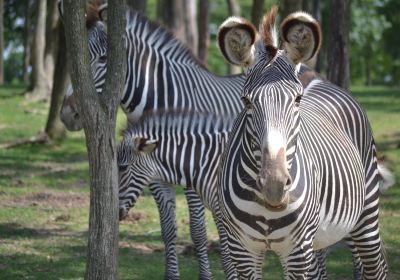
x=134, y=217
x=48, y=199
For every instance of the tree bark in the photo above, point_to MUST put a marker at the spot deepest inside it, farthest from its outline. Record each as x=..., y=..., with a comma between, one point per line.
x=234, y=10
x=190, y=23
x=52, y=37
x=138, y=5
x=171, y=14
x=98, y=118
x=257, y=11
x=338, y=53
x=290, y=6
x=27, y=41
x=204, y=39
x=40, y=87
x=1, y=42
x=54, y=127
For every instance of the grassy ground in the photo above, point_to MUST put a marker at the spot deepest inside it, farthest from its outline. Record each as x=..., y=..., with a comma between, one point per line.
x=44, y=203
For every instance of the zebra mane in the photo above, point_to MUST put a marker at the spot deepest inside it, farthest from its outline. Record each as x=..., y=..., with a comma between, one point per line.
x=181, y=122
x=269, y=31
x=154, y=34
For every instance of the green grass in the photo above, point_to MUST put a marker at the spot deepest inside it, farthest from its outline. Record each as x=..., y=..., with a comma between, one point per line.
x=44, y=202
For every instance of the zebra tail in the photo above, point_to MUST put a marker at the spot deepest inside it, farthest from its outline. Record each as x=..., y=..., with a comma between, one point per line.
x=387, y=178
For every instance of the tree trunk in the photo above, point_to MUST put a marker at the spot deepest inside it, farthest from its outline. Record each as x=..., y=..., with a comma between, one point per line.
x=40, y=87
x=204, y=39
x=54, y=127
x=257, y=11
x=138, y=5
x=290, y=6
x=234, y=10
x=171, y=14
x=52, y=37
x=98, y=118
x=316, y=12
x=190, y=23
x=1, y=42
x=338, y=55
x=27, y=41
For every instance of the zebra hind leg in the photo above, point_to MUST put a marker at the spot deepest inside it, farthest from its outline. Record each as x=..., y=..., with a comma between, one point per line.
x=164, y=195
x=198, y=232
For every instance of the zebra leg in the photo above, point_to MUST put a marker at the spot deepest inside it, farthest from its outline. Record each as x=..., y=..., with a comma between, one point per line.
x=317, y=268
x=198, y=231
x=357, y=264
x=298, y=263
x=229, y=269
x=164, y=195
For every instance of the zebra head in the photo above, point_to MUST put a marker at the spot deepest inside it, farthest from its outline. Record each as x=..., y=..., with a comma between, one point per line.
x=97, y=37
x=133, y=172
x=271, y=93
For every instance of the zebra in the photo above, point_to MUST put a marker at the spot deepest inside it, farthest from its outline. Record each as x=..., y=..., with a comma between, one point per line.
x=161, y=74
x=300, y=171
x=175, y=147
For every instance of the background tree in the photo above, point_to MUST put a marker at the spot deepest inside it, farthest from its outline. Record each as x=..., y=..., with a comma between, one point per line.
x=257, y=11
x=39, y=87
x=99, y=118
x=52, y=37
x=234, y=10
x=54, y=127
x=171, y=14
x=290, y=6
x=190, y=22
x=27, y=42
x=1, y=42
x=338, y=71
x=138, y=5
x=204, y=38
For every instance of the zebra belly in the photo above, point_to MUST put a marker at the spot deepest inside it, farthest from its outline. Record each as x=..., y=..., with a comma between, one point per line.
x=329, y=234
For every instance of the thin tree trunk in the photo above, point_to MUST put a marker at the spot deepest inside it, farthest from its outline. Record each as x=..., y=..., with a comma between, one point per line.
x=257, y=11
x=52, y=36
x=290, y=6
x=138, y=5
x=54, y=127
x=191, y=31
x=171, y=14
x=204, y=38
x=27, y=41
x=338, y=55
x=98, y=118
x=234, y=10
x=40, y=87
x=1, y=42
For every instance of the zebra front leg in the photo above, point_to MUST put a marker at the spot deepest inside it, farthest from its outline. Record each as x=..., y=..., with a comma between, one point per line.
x=357, y=264
x=198, y=232
x=297, y=265
x=317, y=268
x=164, y=195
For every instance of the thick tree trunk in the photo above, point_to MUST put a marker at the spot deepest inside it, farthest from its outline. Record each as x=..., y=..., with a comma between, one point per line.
x=40, y=87
x=190, y=23
x=98, y=118
x=204, y=39
x=52, y=36
x=27, y=41
x=338, y=53
x=257, y=11
x=234, y=10
x=1, y=42
x=171, y=14
x=290, y=6
x=54, y=127
x=138, y=5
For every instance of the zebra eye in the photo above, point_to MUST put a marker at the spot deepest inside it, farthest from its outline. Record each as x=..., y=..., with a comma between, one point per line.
x=103, y=59
x=122, y=168
x=297, y=100
x=247, y=102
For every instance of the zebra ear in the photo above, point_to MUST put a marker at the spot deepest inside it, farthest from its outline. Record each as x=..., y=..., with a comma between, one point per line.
x=144, y=145
x=103, y=12
x=301, y=35
x=236, y=37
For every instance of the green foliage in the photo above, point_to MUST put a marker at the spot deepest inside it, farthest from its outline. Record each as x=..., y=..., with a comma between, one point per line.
x=44, y=203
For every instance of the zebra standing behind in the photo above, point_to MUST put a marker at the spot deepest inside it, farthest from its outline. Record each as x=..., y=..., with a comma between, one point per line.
x=297, y=175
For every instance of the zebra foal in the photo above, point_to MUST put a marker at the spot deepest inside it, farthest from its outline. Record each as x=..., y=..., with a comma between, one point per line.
x=297, y=174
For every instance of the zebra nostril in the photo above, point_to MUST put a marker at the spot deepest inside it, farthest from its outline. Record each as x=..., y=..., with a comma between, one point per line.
x=288, y=183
